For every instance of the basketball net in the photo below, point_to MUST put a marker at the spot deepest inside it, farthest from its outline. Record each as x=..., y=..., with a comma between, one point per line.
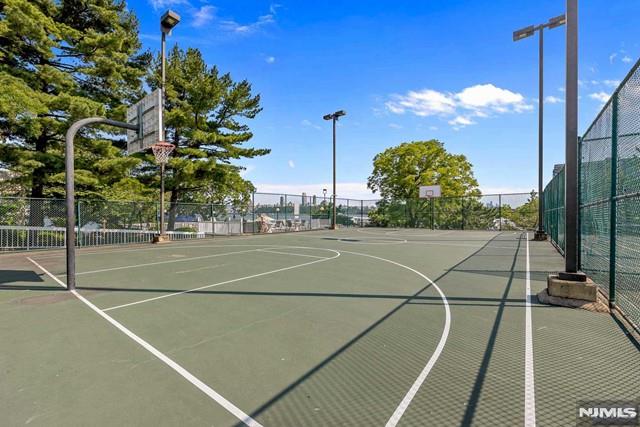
x=162, y=151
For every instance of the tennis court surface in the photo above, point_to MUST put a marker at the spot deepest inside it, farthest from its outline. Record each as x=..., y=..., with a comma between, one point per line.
x=352, y=327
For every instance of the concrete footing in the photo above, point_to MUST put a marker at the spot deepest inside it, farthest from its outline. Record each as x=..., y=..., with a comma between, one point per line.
x=161, y=238
x=540, y=236
x=598, y=306
x=557, y=287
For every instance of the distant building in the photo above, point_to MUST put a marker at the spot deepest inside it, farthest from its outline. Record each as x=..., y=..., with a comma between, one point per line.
x=557, y=169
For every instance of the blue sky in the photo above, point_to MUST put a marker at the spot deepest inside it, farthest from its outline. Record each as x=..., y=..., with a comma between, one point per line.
x=403, y=71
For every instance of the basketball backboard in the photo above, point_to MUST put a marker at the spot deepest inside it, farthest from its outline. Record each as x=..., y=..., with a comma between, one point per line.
x=148, y=112
x=429, y=191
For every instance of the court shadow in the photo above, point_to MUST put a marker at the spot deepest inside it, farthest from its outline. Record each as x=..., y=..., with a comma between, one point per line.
x=24, y=280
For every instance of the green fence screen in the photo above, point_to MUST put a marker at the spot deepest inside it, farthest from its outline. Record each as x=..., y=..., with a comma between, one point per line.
x=609, y=199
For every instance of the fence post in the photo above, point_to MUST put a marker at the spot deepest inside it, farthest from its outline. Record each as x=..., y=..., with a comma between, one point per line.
x=213, y=221
x=462, y=211
x=78, y=236
x=253, y=212
x=500, y=212
x=613, y=210
x=433, y=213
x=361, y=213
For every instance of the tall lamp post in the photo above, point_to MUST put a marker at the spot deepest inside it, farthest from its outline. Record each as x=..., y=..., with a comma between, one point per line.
x=334, y=118
x=167, y=22
x=523, y=33
x=571, y=149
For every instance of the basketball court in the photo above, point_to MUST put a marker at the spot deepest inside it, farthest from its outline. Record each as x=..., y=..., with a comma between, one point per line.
x=350, y=327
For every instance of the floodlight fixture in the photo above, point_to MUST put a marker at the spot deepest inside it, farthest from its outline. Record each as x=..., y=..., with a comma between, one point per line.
x=169, y=20
x=335, y=116
x=557, y=21
x=523, y=33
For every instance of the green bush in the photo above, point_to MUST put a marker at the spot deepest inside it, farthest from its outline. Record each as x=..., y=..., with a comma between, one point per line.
x=186, y=229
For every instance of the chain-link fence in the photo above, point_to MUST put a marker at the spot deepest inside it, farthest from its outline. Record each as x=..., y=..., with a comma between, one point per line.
x=609, y=198
x=488, y=212
x=27, y=223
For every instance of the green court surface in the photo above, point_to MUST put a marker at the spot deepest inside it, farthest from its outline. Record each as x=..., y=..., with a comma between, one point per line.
x=355, y=327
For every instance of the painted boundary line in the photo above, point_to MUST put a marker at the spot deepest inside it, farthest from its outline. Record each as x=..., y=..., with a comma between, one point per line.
x=406, y=401
x=529, y=385
x=224, y=283
x=237, y=412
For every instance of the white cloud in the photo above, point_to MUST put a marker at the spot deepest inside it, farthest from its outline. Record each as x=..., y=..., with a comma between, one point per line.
x=422, y=103
x=291, y=164
x=307, y=123
x=561, y=89
x=612, y=57
x=273, y=8
x=461, y=121
x=163, y=4
x=270, y=59
x=553, y=100
x=600, y=96
x=481, y=100
x=488, y=96
x=433, y=127
x=250, y=28
x=354, y=190
x=395, y=126
x=626, y=59
x=203, y=16
x=611, y=83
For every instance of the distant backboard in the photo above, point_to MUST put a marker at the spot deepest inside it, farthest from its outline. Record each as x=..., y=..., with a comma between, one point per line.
x=429, y=191
x=148, y=110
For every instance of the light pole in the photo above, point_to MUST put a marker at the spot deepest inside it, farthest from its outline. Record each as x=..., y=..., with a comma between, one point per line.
x=334, y=118
x=571, y=149
x=517, y=36
x=167, y=22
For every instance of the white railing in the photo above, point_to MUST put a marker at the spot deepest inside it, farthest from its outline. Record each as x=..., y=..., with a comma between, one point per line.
x=16, y=237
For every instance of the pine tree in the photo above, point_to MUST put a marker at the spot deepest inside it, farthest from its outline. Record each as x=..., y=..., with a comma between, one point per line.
x=205, y=120
x=61, y=61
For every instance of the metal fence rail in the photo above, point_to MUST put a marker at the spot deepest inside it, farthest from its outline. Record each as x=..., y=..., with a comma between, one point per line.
x=609, y=196
x=29, y=223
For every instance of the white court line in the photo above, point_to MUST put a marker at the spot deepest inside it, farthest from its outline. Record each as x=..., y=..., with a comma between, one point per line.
x=480, y=245
x=406, y=401
x=224, y=283
x=529, y=386
x=289, y=253
x=124, y=267
x=237, y=412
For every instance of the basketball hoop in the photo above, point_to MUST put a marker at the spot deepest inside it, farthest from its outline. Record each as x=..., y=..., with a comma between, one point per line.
x=161, y=151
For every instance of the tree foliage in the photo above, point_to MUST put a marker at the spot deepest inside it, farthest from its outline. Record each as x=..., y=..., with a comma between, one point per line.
x=206, y=121
x=399, y=171
x=61, y=61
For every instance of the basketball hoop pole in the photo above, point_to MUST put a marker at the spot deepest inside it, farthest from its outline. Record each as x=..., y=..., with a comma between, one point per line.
x=70, y=188
x=162, y=199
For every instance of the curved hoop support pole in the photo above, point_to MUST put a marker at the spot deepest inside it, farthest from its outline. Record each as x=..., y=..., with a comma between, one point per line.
x=70, y=188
